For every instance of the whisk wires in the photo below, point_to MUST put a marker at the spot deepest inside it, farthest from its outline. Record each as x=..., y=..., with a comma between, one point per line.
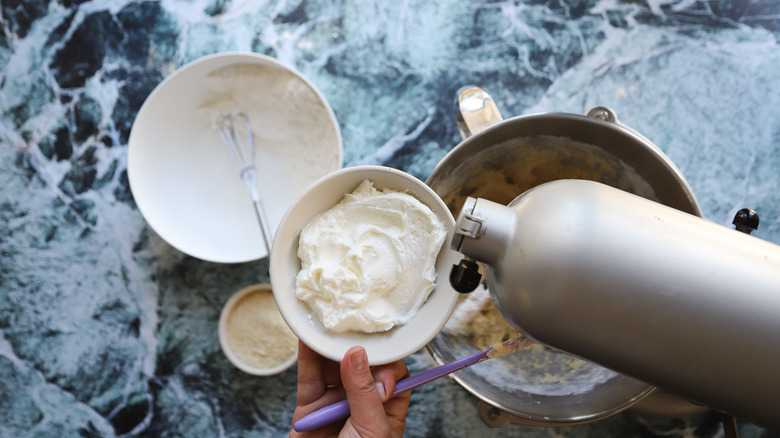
x=236, y=130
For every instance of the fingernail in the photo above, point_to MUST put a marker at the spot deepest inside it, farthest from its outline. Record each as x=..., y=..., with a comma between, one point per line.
x=359, y=361
x=381, y=388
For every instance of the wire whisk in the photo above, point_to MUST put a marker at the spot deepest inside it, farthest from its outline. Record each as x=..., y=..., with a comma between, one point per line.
x=236, y=131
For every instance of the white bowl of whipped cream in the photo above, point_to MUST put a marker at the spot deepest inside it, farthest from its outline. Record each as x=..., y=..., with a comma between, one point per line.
x=363, y=258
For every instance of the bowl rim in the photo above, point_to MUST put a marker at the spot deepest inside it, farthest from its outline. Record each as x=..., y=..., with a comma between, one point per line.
x=614, y=138
x=307, y=326
x=225, y=345
x=551, y=419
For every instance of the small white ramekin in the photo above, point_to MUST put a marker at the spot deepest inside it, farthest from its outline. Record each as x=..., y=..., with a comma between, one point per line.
x=224, y=318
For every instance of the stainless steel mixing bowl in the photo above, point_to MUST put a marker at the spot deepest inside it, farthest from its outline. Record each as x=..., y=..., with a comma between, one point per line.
x=500, y=159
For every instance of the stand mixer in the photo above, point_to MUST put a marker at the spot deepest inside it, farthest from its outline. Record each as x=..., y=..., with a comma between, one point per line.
x=635, y=286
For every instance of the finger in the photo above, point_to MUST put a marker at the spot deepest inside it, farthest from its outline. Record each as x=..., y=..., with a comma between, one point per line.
x=311, y=383
x=330, y=430
x=367, y=414
x=395, y=410
x=397, y=407
x=387, y=375
x=331, y=374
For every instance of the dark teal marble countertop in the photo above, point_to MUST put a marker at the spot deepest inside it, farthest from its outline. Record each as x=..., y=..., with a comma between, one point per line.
x=106, y=330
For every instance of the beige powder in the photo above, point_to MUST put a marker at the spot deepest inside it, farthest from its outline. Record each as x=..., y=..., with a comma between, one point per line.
x=292, y=127
x=257, y=333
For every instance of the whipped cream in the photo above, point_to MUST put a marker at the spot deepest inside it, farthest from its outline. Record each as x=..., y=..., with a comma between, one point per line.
x=368, y=263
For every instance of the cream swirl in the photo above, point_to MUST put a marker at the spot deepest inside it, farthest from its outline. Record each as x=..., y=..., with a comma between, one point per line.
x=368, y=263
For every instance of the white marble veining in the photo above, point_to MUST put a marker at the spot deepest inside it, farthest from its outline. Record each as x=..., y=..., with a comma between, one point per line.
x=108, y=331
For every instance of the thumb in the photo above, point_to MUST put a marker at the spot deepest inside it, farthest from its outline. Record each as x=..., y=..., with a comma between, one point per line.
x=367, y=413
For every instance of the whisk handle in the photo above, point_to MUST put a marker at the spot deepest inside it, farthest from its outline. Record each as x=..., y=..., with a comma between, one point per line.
x=267, y=238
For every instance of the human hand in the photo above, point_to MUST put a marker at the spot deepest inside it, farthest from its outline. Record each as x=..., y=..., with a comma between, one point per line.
x=373, y=413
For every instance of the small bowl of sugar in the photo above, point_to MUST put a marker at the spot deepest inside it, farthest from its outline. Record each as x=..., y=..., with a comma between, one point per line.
x=253, y=335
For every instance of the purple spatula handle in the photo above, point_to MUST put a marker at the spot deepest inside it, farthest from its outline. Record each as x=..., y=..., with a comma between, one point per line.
x=340, y=410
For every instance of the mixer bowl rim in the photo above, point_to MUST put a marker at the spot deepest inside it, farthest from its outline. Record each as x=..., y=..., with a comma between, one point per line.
x=543, y=421
x=507, y=129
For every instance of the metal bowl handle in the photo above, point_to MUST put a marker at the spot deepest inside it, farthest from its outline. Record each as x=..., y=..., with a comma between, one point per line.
x=603, y=113
x=475, y=110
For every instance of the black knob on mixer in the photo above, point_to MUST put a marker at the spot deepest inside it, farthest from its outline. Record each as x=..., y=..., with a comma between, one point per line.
x=746, y=221
x=465, y=276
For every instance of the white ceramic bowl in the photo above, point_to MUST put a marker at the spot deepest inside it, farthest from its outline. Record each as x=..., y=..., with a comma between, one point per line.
x=182, y=176
x=383, y=347
x=224, y=341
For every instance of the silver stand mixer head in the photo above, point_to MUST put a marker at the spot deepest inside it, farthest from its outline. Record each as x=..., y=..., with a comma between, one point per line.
x=660, y=295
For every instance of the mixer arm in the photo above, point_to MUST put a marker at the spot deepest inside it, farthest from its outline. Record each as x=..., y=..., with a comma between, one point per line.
x=660, y=295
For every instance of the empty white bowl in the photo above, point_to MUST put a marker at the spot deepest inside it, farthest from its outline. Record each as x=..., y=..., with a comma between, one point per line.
x=182, y=176
x=381, y=347
x=265, y=332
